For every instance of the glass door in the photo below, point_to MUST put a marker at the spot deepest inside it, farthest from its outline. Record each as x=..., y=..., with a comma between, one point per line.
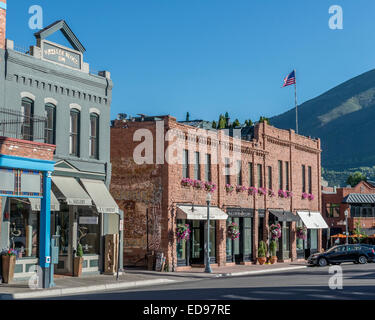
x=229, y=243
x=197, y=243
x=182, y=248
x=247, y=243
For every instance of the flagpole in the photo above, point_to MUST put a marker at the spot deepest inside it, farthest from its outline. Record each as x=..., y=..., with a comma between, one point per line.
x=295, y=96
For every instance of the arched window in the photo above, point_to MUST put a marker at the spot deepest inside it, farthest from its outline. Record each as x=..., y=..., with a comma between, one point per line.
x=27, y=110
x=94, y=136
x=74, y=132
x=50, y=129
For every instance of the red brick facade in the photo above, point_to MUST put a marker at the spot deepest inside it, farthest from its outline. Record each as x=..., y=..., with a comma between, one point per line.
x=149, y=193
x=336, y=196
x=2, y=25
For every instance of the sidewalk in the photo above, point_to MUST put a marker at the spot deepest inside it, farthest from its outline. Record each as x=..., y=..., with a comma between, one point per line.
x=133, y=278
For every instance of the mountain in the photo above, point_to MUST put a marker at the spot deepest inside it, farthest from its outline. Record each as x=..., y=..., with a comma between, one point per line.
x=344, y=119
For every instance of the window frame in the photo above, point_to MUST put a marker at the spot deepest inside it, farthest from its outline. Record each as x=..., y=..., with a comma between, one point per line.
x=94, y=138
x=53, y=129
x=27, y=102
x=76, y=135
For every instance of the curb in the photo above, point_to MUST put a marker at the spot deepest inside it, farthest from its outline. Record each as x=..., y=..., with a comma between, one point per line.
x=88, y=289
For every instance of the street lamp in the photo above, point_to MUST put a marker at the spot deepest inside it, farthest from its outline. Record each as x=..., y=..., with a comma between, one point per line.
x=346, y=226
x=207, y=253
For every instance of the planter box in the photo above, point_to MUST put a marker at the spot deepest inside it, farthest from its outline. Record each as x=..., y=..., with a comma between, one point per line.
x=78, y=263
x=8, y=265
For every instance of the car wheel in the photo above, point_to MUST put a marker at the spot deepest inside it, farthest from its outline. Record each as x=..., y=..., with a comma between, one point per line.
x=322, y=262
x=362, y=260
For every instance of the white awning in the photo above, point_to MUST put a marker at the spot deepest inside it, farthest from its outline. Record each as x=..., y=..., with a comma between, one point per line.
x=200, y=213
x=36, y=203
x=312, y=220
x=99, y=193
x=72, y=191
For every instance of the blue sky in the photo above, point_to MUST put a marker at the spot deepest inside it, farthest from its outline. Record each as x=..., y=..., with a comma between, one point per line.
x=212, y=56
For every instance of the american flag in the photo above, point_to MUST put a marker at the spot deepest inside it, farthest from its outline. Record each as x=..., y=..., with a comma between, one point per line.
x=290, y=79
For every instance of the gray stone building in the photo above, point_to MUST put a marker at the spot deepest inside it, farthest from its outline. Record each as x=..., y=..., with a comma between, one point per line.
x=53, y=83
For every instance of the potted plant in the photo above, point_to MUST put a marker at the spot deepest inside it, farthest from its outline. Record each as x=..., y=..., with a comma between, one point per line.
x=78, y=262
x=8, y=264
x=273, y=249
x=262, y=253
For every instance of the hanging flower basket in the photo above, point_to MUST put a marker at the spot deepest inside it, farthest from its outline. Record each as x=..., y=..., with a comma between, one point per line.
x=302, y=233
x=210, y=187
x=187, y=182
x=198, y=185
x=252, y=191
x=233, y=231
x=229, y=188
x=271, y=193
x=240, y=189
x=262, y=191
x=183, y=232
x=311, y=197
x=305, y=196
x=275, y=230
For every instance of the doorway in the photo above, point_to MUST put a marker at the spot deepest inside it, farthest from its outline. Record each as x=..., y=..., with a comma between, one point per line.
x=240, y=250
x=197, y=242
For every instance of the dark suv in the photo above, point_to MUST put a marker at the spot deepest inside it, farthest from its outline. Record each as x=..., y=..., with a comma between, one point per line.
x=356, y=253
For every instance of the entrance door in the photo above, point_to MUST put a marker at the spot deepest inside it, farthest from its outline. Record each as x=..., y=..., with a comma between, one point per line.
x=240, y=250
x=197, y=242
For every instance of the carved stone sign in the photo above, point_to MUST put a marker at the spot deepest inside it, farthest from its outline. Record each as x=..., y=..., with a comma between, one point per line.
x=61, y=55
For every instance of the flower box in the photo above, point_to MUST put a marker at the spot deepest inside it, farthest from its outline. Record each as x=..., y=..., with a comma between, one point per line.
x=311, y=197
x=252, y=191
x=210, y=187
x=187, y=182
x=229, y=188
x=282, y=194
x=271, y=193
x=262, y=191
x=241, y=189
x=198, y=184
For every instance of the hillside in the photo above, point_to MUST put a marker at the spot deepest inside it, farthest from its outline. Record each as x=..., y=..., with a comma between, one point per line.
x=344, y=119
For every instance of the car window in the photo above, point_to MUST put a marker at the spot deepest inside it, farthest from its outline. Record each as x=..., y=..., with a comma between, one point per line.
x=357, y=248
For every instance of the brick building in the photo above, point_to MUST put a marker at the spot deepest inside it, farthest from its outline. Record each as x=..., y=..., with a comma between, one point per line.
x=147, y=185
x=359, y=201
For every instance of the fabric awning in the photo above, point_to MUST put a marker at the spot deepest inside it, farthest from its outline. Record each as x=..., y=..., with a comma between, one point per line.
x=284, y=216
x=72, y=191
x=99, y=193
x=200, y=213
x=312, y=220
x=36, y=203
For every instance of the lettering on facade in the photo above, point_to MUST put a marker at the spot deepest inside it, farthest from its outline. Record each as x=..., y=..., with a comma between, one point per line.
x=62, y=56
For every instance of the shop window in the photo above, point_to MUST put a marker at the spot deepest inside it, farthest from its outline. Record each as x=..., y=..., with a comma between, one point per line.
x=23, y=229
x=185, y=165
x=88, y=231
x=313, y=239
x=74, y=132
x=286, y=236
x=62, y=229
x=50, y=129
x=332, y=210
x=27, y=110
x=94, y=136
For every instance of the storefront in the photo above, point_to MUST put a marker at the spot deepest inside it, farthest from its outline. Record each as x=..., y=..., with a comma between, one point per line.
x=313, y=222
x=285, y=219
x=191, y=252
x=240, y=250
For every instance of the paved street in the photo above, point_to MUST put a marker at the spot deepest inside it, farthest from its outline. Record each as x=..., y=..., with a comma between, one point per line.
x=309, y=284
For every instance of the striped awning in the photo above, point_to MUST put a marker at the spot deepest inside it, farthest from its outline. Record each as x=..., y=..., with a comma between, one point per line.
x=359, y=198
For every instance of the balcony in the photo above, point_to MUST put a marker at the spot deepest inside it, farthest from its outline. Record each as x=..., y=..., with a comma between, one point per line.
x=16, y=124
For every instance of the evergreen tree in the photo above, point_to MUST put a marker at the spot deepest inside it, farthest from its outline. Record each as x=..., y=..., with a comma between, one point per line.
x=248, y=123
x=264, y=119
x=356, y=178
x=187, y=116
x=222, y=122
x=214, y=124
x=236, y=123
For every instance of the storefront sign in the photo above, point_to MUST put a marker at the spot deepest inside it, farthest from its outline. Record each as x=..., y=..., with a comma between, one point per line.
x=240, y=212
x=88, y=220
x=61, y=55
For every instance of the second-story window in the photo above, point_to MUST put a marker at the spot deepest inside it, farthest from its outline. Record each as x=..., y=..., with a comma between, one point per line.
x=74, y=132
x=50, y=129
x=260, y=175
x=208, y=174
x=27, y=110
x=197, y=166
x=270, y=178
x=281, y=184
x=239, y=173
x=303, y=178
x=185, y=164
x=309, y=175
x=287, y=176
x=251, y=174
x=94, y=136
x=227, y=171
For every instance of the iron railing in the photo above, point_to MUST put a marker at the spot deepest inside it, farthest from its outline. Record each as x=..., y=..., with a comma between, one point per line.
x=15, y=124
